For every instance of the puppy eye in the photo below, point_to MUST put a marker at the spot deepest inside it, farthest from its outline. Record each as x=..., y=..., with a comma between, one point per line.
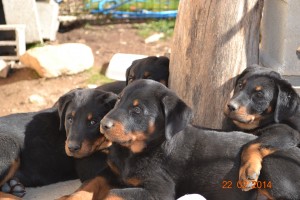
x=259, y=94
x=130, y=79
x=240, y=85
x=137, y=109
x=70, y=120
x=92, y=122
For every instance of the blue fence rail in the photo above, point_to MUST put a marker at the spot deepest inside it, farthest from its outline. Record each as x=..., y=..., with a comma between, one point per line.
x=134, y=9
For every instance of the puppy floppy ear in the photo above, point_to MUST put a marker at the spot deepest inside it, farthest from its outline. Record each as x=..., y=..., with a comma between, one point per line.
x=287, y=101
x=108, y=98
x=128, y=71
x=177, y=115
x=257, y=70
x=62, y=105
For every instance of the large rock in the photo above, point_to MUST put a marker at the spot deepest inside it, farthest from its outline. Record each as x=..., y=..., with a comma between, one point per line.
x=4, y=68
x=56, y=60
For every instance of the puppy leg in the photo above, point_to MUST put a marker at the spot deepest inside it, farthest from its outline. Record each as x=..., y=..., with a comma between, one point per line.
x=94, y=189
x=4, y=196
x=273, y=138
x=252, y=157
x=9, y=164
x=13, y=186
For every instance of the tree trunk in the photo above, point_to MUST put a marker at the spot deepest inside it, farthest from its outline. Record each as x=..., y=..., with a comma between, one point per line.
x=214, y=40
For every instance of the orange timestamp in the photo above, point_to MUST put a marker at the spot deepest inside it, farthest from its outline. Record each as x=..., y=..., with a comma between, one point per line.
x=243, y=184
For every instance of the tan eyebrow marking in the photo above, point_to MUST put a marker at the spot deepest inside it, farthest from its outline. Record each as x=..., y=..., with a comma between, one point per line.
x=135, y=102
x=90, y=116
x=258, y=88
x=146, y=74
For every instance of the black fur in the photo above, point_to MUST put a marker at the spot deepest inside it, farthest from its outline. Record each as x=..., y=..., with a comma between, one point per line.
x=276, y=94
x=167, y=165
x=273, y=104
x=152, y=67
x=38, y=139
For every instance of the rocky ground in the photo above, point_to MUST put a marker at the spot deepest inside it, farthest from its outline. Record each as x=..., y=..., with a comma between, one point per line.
x=24, y=91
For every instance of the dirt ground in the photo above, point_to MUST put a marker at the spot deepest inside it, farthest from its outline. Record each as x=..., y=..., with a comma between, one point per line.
x=105, y=41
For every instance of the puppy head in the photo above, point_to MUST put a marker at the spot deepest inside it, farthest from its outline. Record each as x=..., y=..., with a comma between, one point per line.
x=152, y=67
x=146, y=114
x=259, y=96
x=80, y=112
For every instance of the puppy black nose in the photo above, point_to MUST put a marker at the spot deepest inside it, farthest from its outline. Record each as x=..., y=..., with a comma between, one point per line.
x=74, y=147
x=232, y=106
x=106, y=124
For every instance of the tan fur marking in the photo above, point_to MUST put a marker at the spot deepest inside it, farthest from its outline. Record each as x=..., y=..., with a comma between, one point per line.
x=244, y=82
x=270, y=109
x=258, y=88
x=68, y=152
x=114, y=197
x=133, y=182
x=5, y=196
x=135, y=102
x=151, y=127
x=135, y=141
x=138, y=142
x=73, y=113
x=163, y=82
x=252, y=161
x=265, y=152
x=250, y=121
x=252, y=155
x=265, y=193
x=12, y=170
x=90, y=116
x=246, y=126
x=116, y=133
x=137, y=146
x=113, y=167
x=256, y=153
x=89, y=147
x=146, y=74
x=94, y=189
x=242, y=111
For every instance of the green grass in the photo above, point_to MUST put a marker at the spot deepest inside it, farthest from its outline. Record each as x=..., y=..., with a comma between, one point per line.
x=165, y=26
x=134, y=5
x=33, y=45
x=97, y=78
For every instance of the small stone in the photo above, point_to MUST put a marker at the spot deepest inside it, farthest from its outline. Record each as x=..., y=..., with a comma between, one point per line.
x=37, y=99
x=92, y=86
x=154, y=38
x=55, y=60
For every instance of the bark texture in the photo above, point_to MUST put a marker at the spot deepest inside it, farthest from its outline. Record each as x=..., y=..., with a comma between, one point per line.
x=214, y=40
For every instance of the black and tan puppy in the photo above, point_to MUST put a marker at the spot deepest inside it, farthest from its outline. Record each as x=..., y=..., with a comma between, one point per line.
x=156, y=154
x=152, y=67
x=80, y=112
x=262, y=103
x=33, y=144
x=261, y=97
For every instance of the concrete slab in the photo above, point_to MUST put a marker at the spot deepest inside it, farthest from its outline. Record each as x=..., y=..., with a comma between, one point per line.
x=13, y=41
x=24, y=12
x=48, y=15
x=281, y=36
x=118, y=65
